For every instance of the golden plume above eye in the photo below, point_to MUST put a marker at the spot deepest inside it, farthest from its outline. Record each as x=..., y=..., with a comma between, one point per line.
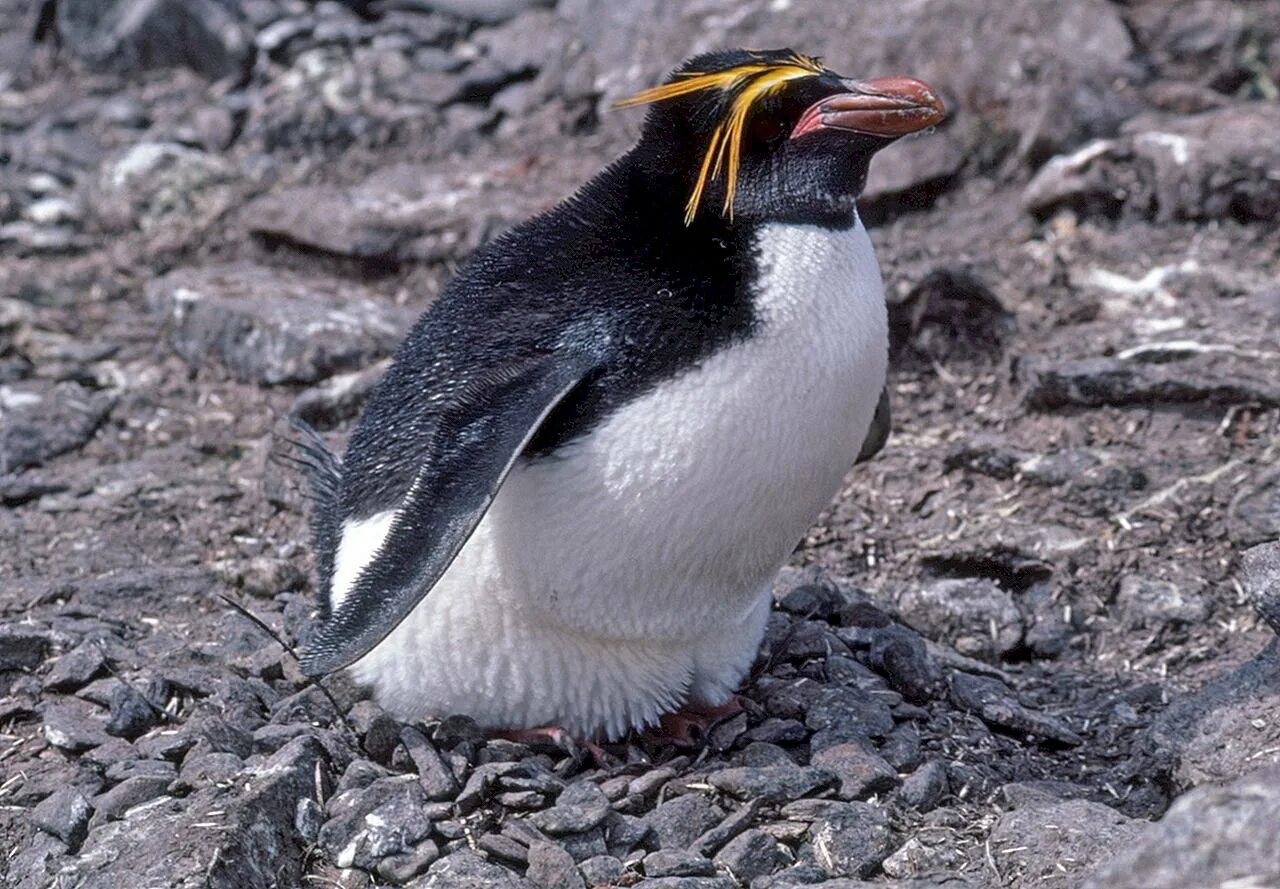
x=748, y=83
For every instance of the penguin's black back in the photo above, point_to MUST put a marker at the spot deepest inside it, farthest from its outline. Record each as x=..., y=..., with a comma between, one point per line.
x=612, y=269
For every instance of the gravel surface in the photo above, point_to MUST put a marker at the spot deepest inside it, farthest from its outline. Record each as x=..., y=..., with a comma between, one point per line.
x=1031, y=644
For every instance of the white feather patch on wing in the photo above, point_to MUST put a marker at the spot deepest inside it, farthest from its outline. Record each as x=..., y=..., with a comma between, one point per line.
x=361, y=539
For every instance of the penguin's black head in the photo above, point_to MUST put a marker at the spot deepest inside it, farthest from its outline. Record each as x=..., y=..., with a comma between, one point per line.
x=772, y=135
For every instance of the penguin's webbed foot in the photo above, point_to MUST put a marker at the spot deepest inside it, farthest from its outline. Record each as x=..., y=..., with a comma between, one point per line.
x=691, y=724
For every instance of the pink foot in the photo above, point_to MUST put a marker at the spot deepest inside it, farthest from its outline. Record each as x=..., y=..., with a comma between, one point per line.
x=690, y=725
x=555, y=736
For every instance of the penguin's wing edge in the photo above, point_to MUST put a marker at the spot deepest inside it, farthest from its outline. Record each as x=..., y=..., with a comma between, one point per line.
x=476, y=441
x=878, y=432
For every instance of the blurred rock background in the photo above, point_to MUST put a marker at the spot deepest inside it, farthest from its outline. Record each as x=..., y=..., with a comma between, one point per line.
x=1027, y=646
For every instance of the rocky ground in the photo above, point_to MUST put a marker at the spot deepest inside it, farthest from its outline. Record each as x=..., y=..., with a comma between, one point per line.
x=1027, y=646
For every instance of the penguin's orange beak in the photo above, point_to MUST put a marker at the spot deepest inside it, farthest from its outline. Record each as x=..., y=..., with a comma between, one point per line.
x=887, y=106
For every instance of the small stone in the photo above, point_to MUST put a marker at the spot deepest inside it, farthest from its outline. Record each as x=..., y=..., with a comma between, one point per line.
x=368, y=824
x=923, y=788
x=847, y=713
x=551, y=867
x=456, y=730
x=752, y=854
x=465, y=869
x=778, y=731
x=75, y=668
x=435, y=776
x=266, y=576
x=41, y=421
x=209, y=769
x=308, y=818
x=1151, y=603
x=771, y=783
x=852, y=841
x=677, y=863
x=131, y=713
x=602, y=870
x=677, y=822
x=504, y=848
x=581, y=807
x=862, y=772
x=735, y=823
x=996, y=705
x=305, y=330
x=405, y=866
x=1055, y=844
x=127, y=794
x=148, y=768
x=64, y=814
x=901, y=748
x=1260, y=573
x=974, y=615
x=71, y=727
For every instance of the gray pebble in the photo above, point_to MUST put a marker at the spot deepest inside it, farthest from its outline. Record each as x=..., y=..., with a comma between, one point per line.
x=503, y=848
x=677, y=863
x=771, y=783
x=597, y=871
x=581, y=807
x=752, y=854
x=551, y=867
x=72, y=727
x=678, y=822
x=209, y=769
x=862, y=772
x=64, y=814
x=129, y=793
x=923, y=789
x=75, y=668
x=405, y=866
x=853, y=841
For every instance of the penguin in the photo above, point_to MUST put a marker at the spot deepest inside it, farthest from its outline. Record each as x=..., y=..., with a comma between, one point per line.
x=566, y=501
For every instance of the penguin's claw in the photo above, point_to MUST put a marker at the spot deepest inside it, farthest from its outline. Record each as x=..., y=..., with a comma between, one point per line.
x=691, y=724
x=555, y=736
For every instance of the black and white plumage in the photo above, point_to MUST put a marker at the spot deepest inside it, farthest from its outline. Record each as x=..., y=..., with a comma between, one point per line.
x=567, y=499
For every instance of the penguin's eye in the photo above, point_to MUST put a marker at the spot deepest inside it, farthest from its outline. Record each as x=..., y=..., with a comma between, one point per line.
x=766, y=128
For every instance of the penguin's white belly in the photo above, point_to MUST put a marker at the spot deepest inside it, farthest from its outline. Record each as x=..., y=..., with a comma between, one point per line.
x=631, y=570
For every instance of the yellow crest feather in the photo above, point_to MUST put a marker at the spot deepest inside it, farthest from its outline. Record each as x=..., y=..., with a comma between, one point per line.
x=749, y=82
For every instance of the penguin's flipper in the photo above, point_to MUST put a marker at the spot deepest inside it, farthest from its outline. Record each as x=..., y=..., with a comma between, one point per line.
x=878, y=433
x=476, y=440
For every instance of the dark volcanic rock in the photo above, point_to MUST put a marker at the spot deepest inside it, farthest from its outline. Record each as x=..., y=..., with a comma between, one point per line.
x=1205, y=166
x=1053, y=844
x=1220, y=731
x=996, y=705
x=1093, y=382
x=75, y=668
x=368, y=824
x=677, y=863
x=776, y=784
x=924, y=787
x=861, y=771
x=466, y=870
x=678, y=822
x=135, y=35
x=22, y=648
x=974, y=615
x=73, y=726
x=752, y=854
x=271, y=327
x=129, y=793
x=162, y=844
x=1213, y=836
x=550, y=867
x=65, y=814
x=851, y=840
x=1260, y=571
x=42, y=420
x=581, y=807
